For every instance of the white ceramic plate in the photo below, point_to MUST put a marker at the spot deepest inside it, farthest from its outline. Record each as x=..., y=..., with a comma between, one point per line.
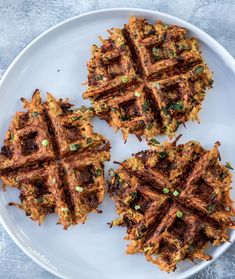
x=55, y=62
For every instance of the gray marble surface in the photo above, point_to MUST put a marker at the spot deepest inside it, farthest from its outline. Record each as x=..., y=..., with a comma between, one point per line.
x=22, y=21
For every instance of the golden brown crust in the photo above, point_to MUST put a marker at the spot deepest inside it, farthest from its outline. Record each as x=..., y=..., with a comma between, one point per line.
x=147, y=79
x=52, y=155
x=173, y=200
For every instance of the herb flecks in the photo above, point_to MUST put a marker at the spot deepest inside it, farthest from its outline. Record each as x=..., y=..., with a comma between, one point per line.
x=154, y=141
x=74, y=146
x=123, y=118
x=134, y=195
x=176, y=193
x=79, y=189
x=176, y=106
x=165, y=190
x=199, y=69
x=75, y=118
x=89, y=140
x=137, y=94
x=149, y=126
x=163, y=155
x=229, y=166
x=45, y=142
x=98, y=172
x=124, y=79
x=179, y=214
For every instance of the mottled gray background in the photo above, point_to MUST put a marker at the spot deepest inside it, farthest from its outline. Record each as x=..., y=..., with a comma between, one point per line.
x=22, y=21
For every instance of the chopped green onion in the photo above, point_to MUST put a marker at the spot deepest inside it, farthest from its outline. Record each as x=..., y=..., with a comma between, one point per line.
x=228, y=166
x=113, y=109
x=134, y=195
x=163, y=155
x=154, y=141
x=165, y=190
x=98, y=172
x=179, y=214
x=149, y=126
x=76, y=118
x=123, y=118
x=74, y=147
x=124, y=79
x=176, y=106
x=176, y=193
x=117, y=176
x=137, y=94
x=137, y=207
x=198, y=69
x=89, y=140
x=45, y=142
x=79, y=189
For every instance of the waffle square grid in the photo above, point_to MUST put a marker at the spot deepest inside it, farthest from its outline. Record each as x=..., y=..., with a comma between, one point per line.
x=147, y=79
x=173, y=200
x=52, y=155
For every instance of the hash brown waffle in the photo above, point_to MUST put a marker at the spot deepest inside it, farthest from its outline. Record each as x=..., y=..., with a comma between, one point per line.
x=173, y=200
x=147, y=79
x=52, y=155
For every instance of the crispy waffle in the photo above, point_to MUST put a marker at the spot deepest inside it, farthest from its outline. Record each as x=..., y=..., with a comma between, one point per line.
x=147, y=79
x=52, y=155
x=174, y=201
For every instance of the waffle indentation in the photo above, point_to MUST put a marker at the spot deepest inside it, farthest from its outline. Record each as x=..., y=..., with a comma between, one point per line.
x=52, y=155
x=173, y=200
x=155, y=69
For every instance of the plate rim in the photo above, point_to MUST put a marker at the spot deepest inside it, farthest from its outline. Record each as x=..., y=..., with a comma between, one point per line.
x=230, y=61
